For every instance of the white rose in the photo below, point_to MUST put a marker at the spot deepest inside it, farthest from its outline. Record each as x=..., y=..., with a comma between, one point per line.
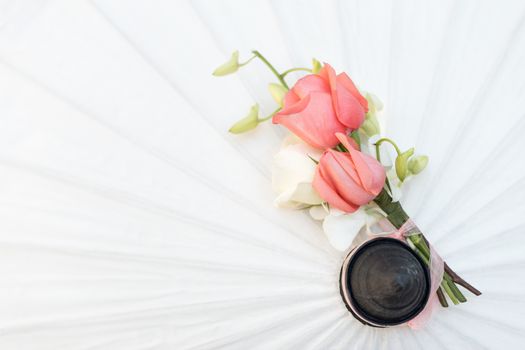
x=293, y=173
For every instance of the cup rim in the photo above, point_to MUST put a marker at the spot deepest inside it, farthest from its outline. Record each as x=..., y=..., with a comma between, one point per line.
x=345, y=292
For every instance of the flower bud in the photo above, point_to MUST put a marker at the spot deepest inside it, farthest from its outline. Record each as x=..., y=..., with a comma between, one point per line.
x=402, y=164
x=231, y=66
x=374, y=103
x=371, y=125
x=417, y=164
x=316, y=66
x=247, y=123
x=277, y=91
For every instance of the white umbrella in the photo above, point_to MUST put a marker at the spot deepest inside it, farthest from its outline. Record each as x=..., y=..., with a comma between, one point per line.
x=130, y=218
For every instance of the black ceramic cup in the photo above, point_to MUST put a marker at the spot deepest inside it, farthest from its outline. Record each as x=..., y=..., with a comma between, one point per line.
x=384, y=283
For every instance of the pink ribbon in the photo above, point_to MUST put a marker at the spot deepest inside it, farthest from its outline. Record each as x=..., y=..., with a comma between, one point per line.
x=436, y=267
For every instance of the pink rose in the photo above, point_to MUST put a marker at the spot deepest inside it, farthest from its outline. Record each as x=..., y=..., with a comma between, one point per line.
x=321, y=105
x=348, y=180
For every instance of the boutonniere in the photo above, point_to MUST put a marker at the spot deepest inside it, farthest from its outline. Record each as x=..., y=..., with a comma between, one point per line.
x=335, y=163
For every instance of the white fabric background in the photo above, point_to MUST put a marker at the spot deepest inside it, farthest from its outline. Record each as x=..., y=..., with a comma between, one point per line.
x=130, y=219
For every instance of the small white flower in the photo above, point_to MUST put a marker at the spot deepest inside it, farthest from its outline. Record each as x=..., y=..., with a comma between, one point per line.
x=293, y=173
x=319, y=212
x=346, y=231
x=341, y=228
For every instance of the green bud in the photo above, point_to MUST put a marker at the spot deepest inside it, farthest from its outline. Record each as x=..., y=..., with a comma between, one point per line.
x=277, y=91
x=316, y=66
x=374, y=103
x=247, y=123
x=371, y=125
x=417, y=164
x=229, y=67
x=402, y=164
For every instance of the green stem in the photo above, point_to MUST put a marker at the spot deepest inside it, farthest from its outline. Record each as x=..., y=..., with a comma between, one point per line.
x=455, y=290
x=450, y=294
x=378, y=144
x=420, y=243
x=378, y=154
x=397, y=216
x=395, y=213
x=414, y=244
x=272, y=68
x=441, y=297
x=341, y=148
x=248, y=61
x=286, y=72
x=269, y=116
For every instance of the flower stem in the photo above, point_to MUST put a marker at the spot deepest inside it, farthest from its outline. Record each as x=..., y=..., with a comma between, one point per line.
x=450, y=294
x=286, y=72
x=414, y=242
x=397, y=216
x=455, y=290
x=458, y=280
x=441, y=297
x=341, y=148
x=247, y=61
x=378, y=144
x=270, y=116
x=272, y=68
x=421, y=244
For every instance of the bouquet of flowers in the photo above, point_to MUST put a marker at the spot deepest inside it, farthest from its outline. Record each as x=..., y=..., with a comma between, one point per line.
x=334, y=164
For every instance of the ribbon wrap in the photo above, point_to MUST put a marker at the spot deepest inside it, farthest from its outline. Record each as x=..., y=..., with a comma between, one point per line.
x=383, y=228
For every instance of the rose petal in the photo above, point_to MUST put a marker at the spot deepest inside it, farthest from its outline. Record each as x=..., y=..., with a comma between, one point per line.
x=312, y=121
x=344, y=80
x=350, y=191
x=349, y=111
x=347, y=106
x=341, y=160
x=347, y=141
x=290, y=98
x=328, y=194
x=379, y=174
x=363, y=170
x=308, y=84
